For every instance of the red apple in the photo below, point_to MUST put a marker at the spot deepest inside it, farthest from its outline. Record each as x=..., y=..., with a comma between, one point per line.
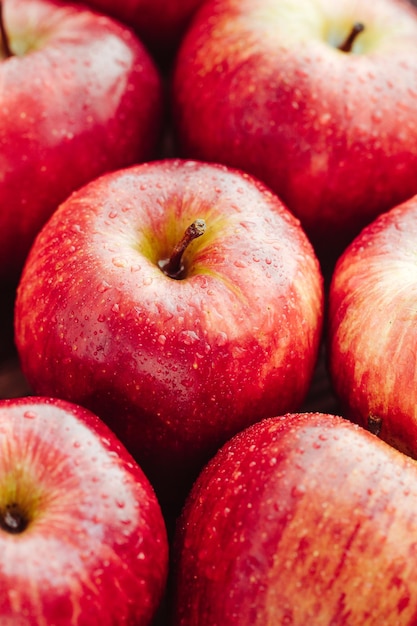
x=175, y=365
x=264, y=85
x=80, y=96
x=82, y=537
x=159, y=23
x=301, y=519
x=372, y=334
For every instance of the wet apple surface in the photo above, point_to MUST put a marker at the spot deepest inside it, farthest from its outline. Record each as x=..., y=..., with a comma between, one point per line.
x=78, y=520
x=371, y=328
x=317, y=99
x=81, y=96
x=301, y=519
x=195, y=339
x=175, y=365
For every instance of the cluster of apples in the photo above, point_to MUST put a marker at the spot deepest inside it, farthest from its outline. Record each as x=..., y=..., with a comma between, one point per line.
x=198, y=197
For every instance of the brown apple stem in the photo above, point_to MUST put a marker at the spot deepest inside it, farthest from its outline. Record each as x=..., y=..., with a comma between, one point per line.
x=173, y=266
x=374, y=424
x=5, y=45
x=12, y=520
x=356, y=29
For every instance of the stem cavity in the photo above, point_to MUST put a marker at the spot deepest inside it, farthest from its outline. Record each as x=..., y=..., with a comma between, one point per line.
x=174, y=266
x=12, y=519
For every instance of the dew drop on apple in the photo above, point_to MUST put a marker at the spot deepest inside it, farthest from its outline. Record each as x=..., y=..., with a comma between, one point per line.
x=221, y=339
x=103, y=286
x=119, y=262
x=297, y=491
x=30, y=415
x=188, y=337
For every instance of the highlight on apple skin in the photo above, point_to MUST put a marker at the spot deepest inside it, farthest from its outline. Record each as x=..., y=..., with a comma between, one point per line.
x=317, y=99
x=175, y=365
x=372, y=321
x=299, y=519
x=82, y=536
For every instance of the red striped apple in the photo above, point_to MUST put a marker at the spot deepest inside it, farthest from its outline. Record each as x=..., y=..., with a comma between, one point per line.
x=175, y=347
x=372, y=333
x=304, y=519
x=80, y=96
x=82, y=537
x=317, y=99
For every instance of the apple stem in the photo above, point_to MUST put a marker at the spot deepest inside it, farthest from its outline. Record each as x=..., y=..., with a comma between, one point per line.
x=356, y=29
x=12, y=520
x=5, y=44
x=374, y=424
x=174, y=267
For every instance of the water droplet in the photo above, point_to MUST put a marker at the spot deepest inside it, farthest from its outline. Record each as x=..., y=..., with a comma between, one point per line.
x=221, y=339
x=162, y=339
x=118, y=262
x=297, y=491
x=30, y=415
x=188, y=337
x=103, y=286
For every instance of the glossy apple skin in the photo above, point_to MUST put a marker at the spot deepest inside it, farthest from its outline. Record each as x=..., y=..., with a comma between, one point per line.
x=80, y=97
x=262, y=86
x=160, y=24
x=372, y=321
x=95, y=552
x=300, y=519
x=174, y=366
